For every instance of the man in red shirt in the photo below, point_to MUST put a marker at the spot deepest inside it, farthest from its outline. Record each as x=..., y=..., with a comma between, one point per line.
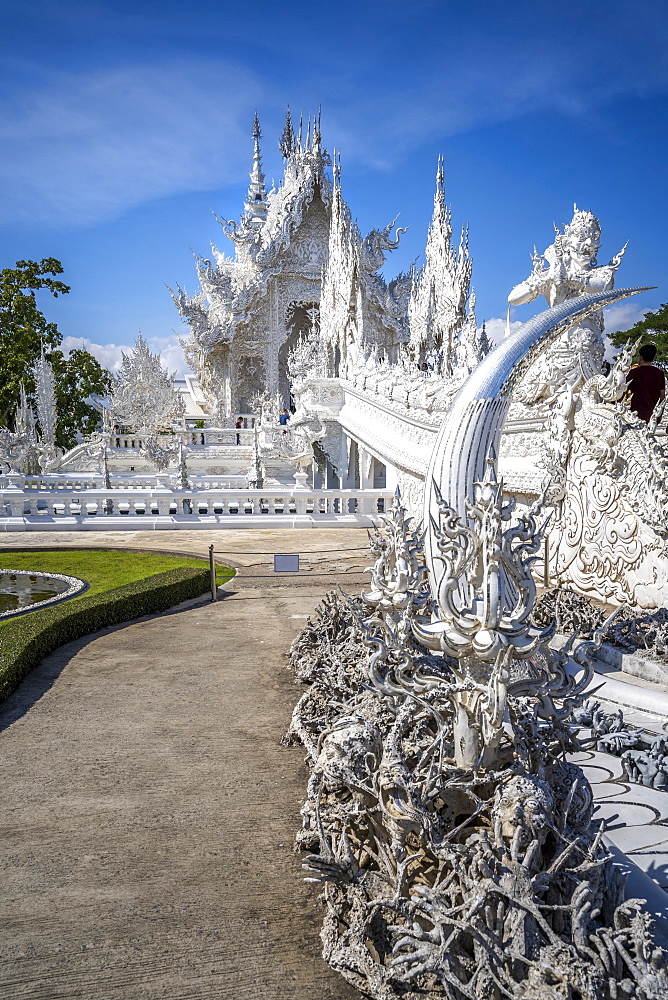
x=646, y=382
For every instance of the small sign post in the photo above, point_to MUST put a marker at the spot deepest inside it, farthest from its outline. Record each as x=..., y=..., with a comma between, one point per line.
x=286, y=563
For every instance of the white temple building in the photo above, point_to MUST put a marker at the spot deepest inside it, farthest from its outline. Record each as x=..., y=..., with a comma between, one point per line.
x=302, y=271
x=303, y=294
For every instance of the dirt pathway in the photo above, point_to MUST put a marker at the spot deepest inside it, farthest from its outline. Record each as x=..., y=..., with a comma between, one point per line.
x=149, y=811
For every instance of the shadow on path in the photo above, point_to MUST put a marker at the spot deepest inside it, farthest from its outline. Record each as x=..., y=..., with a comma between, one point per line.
x=36, y=683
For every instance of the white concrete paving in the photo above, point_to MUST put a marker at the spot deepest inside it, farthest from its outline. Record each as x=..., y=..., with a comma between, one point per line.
x=636, y=816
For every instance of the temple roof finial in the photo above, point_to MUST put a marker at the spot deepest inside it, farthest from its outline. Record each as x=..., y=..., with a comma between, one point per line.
x=336, y=168
x=256, y=199
x=287, y=143
x=440, y=174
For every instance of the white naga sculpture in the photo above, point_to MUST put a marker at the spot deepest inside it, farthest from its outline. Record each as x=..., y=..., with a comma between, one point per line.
x=608, y=469
x=453, y=839
x=609, y=474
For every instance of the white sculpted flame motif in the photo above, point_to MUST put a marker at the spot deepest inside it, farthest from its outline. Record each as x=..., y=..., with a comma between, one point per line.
x=610, y=537
x=484, y=598
x=143, y=397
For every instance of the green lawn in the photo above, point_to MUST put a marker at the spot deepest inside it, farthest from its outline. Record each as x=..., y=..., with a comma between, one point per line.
x=104, y=570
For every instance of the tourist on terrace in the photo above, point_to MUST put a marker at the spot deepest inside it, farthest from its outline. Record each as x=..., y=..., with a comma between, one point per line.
x=239, y=424
x=646, y=382
x=283, y=418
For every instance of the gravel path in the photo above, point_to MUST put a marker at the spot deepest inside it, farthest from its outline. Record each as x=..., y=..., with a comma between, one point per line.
x=149, y=810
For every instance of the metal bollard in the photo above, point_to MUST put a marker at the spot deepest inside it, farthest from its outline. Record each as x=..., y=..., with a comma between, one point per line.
x=212, y=572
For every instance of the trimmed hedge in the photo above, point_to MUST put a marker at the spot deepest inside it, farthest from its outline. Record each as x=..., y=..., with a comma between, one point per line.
x=26, y=640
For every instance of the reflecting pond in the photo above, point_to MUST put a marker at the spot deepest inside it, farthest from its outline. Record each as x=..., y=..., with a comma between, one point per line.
x=21, y=590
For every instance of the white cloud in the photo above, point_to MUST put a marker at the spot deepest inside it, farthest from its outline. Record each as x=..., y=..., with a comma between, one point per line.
x=623, y=316
x=171, y=353
x=496, y=328
x=110, y=356
x=87, y=147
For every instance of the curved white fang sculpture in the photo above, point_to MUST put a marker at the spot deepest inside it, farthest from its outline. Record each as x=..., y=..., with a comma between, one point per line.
x=472, y=428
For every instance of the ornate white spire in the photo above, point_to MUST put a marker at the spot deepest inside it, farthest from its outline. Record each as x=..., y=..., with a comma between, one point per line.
x=440, y=178
x=256, y=199
x=317, y=135
x=437, y=307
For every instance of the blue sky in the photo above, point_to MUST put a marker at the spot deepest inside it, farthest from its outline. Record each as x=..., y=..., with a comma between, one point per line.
x=123, y=125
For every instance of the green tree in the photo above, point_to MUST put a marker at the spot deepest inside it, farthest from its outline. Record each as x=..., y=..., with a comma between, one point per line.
x=25, y=332
x=653, y=328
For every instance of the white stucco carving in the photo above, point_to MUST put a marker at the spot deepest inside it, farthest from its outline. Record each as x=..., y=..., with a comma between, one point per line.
x=611, y=534
x=144, y=399
x=47, y=414
x=607, y=469
x=19, y=448
x=566, y=269
x=143, y=396
x=31, y=447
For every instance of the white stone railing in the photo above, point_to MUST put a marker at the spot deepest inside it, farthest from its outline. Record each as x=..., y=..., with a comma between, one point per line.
x=59, y=483
x=192, y=437
x=101, y=505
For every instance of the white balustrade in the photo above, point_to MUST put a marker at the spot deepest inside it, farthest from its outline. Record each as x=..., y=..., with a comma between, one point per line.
x=73, y=500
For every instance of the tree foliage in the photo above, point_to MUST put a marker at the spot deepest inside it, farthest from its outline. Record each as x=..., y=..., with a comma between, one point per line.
x=25, y=332
x=653, y=328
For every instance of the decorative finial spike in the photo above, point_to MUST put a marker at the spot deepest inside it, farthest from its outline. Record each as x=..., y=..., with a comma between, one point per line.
x=287, y=143
x=336, y=167
x=440, y=174
x=256, y=199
